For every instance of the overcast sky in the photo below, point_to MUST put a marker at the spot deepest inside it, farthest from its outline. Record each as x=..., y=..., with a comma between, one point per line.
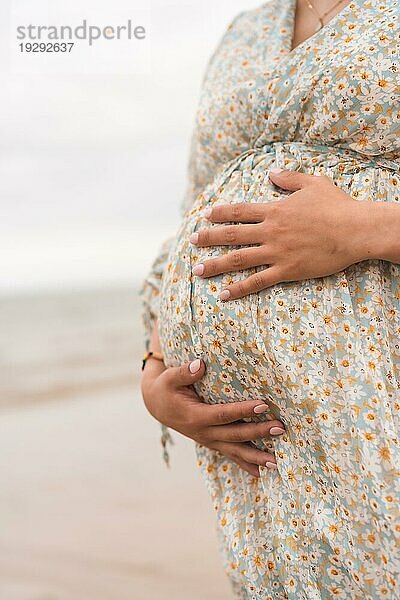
x=94, y=144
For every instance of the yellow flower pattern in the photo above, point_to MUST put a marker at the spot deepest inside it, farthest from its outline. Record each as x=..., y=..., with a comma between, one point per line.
x=323, y=353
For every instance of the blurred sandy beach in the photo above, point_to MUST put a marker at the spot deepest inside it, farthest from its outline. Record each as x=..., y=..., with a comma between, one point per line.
x=88, y=509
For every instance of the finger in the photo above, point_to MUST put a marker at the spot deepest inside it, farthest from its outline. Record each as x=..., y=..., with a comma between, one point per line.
x=186, y=374
x=242, y=212
x=253, y=284
x=247, y=453
x=232, y=235
x=223, y=414
x=252, y=470
x=238, y=260
x=245, y=432
x=290, y=180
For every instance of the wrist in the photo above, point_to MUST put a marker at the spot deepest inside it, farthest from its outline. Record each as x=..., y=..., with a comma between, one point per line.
x=373, y=232
x=152, y=356
x=384, y=238
x=359, y=231
x=154, y=368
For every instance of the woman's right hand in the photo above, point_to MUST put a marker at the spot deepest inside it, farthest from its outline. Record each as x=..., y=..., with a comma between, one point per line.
x=170, y=398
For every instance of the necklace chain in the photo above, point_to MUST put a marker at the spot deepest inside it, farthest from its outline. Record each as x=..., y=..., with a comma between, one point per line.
x=322, y=17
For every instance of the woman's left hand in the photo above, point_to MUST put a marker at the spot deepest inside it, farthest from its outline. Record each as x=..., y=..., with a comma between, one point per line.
x=316, y=231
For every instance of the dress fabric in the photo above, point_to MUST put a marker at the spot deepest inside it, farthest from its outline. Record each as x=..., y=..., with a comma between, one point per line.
x=323, y=353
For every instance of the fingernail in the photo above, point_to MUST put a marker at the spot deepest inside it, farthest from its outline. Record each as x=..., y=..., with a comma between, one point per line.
x=194, y=366
x=198, y=270
x=261, y=408
x=276, y=431
x=271, y=465
x=225, y=295
x=207, y=213
x=194, y=238
x=276, y=171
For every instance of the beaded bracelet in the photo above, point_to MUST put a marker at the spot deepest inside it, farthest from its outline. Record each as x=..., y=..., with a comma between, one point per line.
x=148, y=355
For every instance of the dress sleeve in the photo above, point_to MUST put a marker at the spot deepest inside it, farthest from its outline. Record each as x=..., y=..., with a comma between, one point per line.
x=150, y=291
x=206, y=153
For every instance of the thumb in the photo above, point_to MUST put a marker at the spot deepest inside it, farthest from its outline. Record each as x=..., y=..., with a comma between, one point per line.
x=289, y=180
x=186, y=374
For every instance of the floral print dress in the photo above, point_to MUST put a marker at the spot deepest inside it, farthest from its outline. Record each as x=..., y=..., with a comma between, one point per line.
x=322, y=353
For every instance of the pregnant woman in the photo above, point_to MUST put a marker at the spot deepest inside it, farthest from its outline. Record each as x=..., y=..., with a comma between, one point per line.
x=282, y=292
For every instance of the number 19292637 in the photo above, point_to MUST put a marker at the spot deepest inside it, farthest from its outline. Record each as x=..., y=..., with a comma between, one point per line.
x=46, y=47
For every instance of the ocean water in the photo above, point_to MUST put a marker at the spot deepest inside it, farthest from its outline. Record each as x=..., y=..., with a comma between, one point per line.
x=55, y=345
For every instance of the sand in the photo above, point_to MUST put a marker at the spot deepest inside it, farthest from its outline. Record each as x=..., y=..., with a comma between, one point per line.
x=88, y=509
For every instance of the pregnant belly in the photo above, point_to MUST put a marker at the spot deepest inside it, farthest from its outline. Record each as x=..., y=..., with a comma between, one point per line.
x=323, y=353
